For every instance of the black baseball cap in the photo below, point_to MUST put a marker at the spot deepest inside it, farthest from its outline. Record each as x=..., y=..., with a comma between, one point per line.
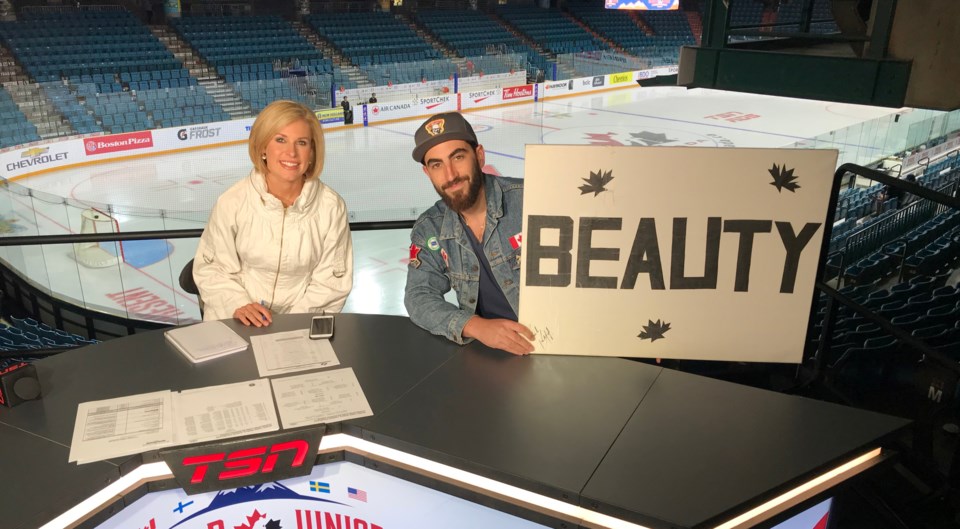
x=440, y=128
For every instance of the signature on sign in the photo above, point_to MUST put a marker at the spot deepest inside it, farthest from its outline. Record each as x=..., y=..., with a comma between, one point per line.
x=542, y=335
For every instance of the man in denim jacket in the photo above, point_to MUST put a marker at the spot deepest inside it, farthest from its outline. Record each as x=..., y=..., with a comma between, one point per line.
x=469, y=241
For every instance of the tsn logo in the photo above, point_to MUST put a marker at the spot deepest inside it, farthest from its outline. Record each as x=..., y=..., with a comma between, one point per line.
x=244, y=461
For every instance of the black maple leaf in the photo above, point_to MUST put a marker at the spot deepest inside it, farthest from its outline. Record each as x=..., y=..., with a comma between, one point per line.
x=597, y=182
x=654, y=330
x=273, y=524
x=783, y=178
x=650, y=139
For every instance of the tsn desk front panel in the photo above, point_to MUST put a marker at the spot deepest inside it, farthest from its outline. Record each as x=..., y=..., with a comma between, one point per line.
x=640, y=443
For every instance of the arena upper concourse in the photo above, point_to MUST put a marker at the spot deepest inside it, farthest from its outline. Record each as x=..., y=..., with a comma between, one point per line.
x=121, y=117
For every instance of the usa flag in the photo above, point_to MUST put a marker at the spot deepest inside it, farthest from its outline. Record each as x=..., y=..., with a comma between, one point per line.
x=356, y=494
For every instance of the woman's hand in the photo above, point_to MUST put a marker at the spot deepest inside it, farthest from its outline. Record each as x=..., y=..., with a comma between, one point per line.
x=253, y=314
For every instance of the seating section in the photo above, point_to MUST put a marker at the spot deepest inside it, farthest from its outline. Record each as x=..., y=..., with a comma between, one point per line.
x=614, y=24
x=176, y=107
x=914, y=251
x=747, y=13
x=470, y=34
x=65, y=101
x=55, y=46
x=99, y=67
x=924, y=250
x=15, y=129
x=256, y=54
x=27, y=334
x=550, y=28
x=372, y=38
x=385, y=48
x=671, y=31
x=260, y=71
x=224, y=41
x=924, y=307
x=862, y=232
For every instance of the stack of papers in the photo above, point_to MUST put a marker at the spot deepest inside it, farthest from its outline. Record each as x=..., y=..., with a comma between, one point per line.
x=205, y=341
x=131, y=425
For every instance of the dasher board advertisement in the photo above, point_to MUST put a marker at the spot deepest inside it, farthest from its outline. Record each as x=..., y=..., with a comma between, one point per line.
x=672, y=252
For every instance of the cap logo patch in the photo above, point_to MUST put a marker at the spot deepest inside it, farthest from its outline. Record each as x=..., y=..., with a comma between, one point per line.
x=435, y=127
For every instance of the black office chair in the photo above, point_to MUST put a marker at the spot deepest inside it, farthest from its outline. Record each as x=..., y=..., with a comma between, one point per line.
x=189, y=285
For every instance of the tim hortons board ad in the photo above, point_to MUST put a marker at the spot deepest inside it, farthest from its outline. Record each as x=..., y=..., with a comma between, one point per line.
x=672, y=252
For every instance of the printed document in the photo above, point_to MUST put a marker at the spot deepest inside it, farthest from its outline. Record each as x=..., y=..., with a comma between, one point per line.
x=221, y=412
x=122, y=426
x=139, y=423
x=288, y=352
x=320, y=397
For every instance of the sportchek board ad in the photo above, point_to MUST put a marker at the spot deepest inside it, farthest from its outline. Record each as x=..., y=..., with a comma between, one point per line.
x=417, y=106
x=335, y=496
x=672, y=252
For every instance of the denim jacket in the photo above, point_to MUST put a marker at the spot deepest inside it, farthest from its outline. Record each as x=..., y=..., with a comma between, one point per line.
x=441, y=258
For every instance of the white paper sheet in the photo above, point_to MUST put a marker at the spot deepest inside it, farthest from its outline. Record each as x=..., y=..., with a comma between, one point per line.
x=122, y=426
x=288, y=352
x=221, y=412
x=315, y=398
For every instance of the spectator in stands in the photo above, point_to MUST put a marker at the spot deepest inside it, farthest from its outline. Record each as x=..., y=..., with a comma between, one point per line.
x=908, y=198
x=277, y=241
x=373, y=97
x=147, y=6
x=469, y=240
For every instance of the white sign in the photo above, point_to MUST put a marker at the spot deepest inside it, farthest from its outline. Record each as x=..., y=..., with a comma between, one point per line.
x=672, y=252
x=67, y=153
x=204, y=134
x=586, y=84
x=481, y=98
x=40, y=158
x=416, y=106
x=515, y=94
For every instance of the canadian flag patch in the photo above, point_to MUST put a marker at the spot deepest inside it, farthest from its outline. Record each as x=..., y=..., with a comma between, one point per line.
x=414, y=253
x=516, y=241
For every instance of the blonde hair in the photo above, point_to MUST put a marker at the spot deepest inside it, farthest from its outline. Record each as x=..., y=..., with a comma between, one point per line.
x=276, y=116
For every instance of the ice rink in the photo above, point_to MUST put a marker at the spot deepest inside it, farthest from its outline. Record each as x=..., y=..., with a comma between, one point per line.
x=372, y=169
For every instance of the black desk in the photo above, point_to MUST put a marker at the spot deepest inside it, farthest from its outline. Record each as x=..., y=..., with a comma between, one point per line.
x=638, y=442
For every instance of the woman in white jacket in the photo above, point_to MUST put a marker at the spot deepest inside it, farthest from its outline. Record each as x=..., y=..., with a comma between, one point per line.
x=277, y=241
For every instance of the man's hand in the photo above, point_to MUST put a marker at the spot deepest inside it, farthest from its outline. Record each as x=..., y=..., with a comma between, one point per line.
x=506, y=335
x=253, y=314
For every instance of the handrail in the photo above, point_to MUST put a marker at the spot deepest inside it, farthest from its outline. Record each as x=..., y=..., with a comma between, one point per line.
x=30, y=10
x=32, y=240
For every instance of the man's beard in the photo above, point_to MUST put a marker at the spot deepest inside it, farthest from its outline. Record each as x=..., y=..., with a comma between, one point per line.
x=464, y=199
